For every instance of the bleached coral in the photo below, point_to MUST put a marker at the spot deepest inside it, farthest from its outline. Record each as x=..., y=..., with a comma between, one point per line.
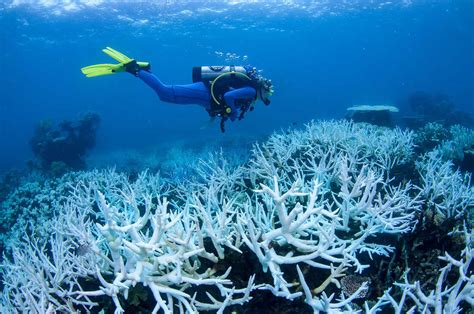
x=139, y=238
x=461, y=138
x=448, y=296
x=446, y=190
x=160, y=256
x=42, y=277
x=314, y=150
x=308, y=223
x=320, y=198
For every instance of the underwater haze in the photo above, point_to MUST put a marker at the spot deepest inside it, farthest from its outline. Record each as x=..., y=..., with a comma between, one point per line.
x=322, y=56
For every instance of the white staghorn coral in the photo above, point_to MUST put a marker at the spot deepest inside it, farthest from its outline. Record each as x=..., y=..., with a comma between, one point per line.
x=461, y=139
x=309, y=208
x=160, y=256
x=446, y=297
x=449, y=192
x=278, y=218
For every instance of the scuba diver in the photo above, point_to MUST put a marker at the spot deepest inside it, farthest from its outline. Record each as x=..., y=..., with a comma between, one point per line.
x=227, y=92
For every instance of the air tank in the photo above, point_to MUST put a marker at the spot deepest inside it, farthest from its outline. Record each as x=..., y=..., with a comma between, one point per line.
x=207, y=73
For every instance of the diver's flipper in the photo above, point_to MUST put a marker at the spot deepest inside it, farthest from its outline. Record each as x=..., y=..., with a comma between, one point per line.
x=107, y=69
x=101, y=69
x=120, y=57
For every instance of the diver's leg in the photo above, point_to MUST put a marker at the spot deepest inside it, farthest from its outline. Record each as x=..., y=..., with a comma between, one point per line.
x=165, y=92
x=196, y=93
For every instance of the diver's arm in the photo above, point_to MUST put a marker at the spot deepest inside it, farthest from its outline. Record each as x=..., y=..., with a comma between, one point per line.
x=244, y=93
x=196, y=93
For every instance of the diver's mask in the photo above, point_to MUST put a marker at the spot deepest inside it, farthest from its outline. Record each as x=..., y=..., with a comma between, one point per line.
x=264, y=86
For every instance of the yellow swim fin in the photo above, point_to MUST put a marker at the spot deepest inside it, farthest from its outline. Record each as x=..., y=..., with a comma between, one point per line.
x=120, y=57
x=102, y=69
x=107, y=69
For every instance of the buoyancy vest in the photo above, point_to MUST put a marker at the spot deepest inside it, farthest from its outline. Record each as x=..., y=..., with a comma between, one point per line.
x=220, y=80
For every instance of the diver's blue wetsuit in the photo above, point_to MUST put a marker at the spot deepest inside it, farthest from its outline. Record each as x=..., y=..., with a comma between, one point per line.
x=196, y=93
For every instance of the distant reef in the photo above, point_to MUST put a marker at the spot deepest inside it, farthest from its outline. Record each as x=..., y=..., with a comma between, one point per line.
x=62, y=147
x=435, y=108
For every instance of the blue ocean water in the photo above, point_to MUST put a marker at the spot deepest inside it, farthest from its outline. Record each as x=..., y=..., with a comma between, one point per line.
x=322, y=57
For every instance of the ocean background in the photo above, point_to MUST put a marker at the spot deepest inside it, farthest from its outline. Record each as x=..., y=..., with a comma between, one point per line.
x=322, y=56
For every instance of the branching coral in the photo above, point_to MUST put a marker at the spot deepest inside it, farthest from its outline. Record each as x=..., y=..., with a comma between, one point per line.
x=447, y=191
x=447, y=297
x=310, y=207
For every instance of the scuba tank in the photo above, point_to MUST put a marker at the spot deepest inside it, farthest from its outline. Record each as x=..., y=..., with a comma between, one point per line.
x=207, y=74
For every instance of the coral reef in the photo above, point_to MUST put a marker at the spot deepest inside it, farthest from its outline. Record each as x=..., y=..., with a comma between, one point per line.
x=461, y=140
x=380, y=115
x=430, y=136
x=455, y=144
x=176, y=160
x=8, y=182
x=63, y=147
x=435, y=108
x=321, y=219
